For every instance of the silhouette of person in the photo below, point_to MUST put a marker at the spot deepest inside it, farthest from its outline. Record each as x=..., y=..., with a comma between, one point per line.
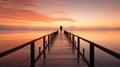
x=61, y=28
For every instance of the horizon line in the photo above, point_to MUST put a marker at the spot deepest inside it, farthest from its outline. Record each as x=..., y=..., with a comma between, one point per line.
x=7, y=27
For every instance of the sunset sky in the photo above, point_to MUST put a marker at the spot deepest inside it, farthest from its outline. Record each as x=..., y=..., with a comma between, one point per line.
x=53, y=13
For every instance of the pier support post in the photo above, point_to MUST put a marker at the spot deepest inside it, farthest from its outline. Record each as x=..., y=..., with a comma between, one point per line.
x=91, y=55
x=32, y=53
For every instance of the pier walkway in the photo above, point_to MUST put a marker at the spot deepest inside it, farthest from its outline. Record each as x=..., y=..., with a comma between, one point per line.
x=61, y=54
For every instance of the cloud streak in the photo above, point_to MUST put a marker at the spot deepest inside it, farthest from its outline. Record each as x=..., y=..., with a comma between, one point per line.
x=18, y=14
x=59, y=12
x=18, y=3
x=19, y=10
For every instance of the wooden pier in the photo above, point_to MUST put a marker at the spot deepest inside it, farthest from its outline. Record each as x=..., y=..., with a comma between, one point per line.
x=60, y=50
x=61, y=54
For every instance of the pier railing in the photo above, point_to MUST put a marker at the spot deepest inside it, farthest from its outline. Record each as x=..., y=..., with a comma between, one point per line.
x=92, y=45
x=47, y=40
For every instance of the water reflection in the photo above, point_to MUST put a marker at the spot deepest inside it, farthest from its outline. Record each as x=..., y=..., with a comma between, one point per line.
x=13, y=38
x=107, y=38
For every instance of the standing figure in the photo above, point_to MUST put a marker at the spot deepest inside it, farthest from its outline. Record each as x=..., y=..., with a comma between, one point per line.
x=61, y=28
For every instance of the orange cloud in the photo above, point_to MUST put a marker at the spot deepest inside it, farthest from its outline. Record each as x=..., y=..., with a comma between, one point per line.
x=20, y=14
x=18, y=3
x=57, y=11
x=20, y=10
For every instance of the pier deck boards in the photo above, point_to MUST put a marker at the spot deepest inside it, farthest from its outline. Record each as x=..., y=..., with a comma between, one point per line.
x=61, y=54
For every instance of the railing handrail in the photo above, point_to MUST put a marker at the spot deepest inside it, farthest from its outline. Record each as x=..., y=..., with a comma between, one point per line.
x=116, y=55
x=9, y=51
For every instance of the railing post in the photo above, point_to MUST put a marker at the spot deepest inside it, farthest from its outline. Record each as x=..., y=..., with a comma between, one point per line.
x=78, y=48
x=32, y=52
x=39, y=50
x=70, y=37
x=44, y=45
x=48, y=39
x=48, y=42
x=73, y=41
x=91, y=55
x=51, y=38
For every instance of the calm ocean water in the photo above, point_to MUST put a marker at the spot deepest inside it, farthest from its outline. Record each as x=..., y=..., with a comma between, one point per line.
x=107, y=38
x=12, y=38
